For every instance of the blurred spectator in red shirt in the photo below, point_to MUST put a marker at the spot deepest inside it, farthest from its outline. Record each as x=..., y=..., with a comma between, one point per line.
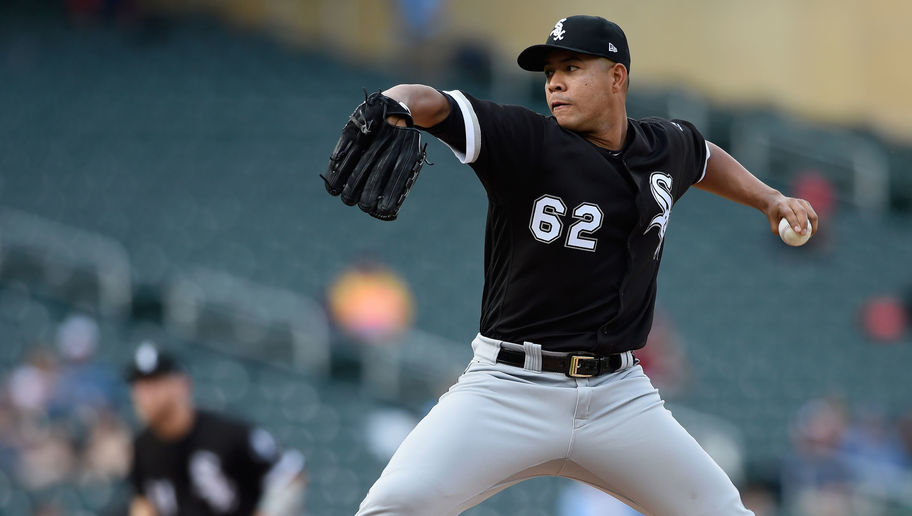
x=663, y=357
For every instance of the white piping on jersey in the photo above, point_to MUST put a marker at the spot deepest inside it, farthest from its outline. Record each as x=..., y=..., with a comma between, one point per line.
x=472, y=129
x=705, y=163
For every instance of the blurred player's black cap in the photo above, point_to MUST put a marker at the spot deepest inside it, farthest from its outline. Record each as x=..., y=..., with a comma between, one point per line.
x=591, y=35
x=149, y=361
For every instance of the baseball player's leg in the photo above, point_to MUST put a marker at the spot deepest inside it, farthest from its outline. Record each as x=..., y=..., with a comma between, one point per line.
x=494, y=428
x=631, y=446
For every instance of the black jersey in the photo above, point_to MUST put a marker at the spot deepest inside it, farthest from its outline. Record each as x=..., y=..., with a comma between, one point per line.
x=216, y=469
x=574, y=231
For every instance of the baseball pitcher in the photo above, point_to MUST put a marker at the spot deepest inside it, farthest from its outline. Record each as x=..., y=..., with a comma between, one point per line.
x=578, y=206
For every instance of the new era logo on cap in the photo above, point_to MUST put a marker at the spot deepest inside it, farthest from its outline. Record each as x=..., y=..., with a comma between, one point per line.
x=612, y=48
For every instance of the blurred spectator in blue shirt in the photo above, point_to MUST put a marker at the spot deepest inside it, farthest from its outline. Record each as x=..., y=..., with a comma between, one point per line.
x=816, y=478
x=85, y=386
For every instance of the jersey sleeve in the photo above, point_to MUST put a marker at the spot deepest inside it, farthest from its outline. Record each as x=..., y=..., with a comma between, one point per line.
x=500, y=142
x=694, y=151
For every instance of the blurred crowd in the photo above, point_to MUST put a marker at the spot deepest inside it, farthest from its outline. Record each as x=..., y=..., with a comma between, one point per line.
x=848, y=462
x=59, y=419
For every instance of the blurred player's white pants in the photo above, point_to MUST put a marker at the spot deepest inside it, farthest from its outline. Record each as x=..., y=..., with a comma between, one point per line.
x=501, y=424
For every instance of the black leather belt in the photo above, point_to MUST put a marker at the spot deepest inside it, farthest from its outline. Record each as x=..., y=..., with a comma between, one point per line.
x=576, y=365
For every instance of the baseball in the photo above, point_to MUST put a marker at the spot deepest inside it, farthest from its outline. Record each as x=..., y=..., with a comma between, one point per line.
x=790, y=237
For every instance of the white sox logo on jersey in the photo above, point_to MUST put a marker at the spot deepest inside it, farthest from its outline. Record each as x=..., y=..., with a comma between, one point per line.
x=211, y=483
x=660, y=185
x=558, y=32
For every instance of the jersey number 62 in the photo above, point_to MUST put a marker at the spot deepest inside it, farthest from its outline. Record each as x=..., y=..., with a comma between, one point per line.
x=546, y=225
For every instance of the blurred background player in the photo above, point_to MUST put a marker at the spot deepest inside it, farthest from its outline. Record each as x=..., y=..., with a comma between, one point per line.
x=188, y=461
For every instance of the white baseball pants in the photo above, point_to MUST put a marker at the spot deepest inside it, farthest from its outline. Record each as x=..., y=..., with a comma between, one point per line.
x=500, y=425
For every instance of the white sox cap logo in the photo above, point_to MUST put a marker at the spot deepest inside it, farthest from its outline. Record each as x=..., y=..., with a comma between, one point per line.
x=558, y=32
x=146, y=358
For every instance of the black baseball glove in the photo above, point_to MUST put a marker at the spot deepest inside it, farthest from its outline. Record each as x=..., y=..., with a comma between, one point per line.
x=375, y=163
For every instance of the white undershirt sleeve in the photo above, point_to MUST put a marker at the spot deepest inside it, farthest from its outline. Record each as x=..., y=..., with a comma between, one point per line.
x=472, y=129
x=705, y=163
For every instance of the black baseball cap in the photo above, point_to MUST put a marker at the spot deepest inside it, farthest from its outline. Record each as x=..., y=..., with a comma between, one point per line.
x=591, y=35
x=150, y=361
